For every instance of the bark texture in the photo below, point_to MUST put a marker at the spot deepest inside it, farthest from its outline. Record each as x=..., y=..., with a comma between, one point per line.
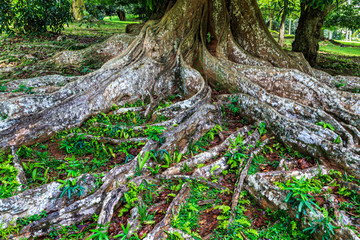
x=78, y=8
x=172, y=56
x=282, y=24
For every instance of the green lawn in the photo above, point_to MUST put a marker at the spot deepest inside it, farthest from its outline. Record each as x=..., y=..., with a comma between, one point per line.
x=355, y=44
x=328, y=47
x=21, y=51
x=109, y=26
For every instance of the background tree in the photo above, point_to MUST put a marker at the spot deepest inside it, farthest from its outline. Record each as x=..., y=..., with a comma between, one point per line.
x=308, y=33
x=285, y=12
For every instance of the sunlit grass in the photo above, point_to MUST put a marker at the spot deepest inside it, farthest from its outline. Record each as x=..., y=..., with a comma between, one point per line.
x=328, y=47
x=356, y=44
x=110, y=25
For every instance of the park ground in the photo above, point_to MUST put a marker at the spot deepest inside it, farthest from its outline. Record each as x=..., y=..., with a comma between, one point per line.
x=206, y=212
x=20, y=52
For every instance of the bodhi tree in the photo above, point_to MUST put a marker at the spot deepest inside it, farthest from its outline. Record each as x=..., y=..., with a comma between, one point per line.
x=172, y=56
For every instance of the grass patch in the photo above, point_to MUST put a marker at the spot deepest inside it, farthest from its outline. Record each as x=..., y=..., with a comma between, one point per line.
x=328, y=47
x=355, y=44
x=21, y=51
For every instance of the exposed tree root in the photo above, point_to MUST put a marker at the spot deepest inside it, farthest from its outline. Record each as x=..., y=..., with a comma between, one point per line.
x=205, y=156
x=20, y=178
x=103, y=52
x=110, y=140
x=158, y=231
x=261, y=186
x=186, y=177
x=170, y=57
x=242, y=175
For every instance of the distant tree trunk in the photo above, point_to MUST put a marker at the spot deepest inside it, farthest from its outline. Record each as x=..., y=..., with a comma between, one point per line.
x=282, y=25
x=330, y=35
x=121, y=15
x=78, y=8
x=290, y=26
x=270, y=19
x=308, y=33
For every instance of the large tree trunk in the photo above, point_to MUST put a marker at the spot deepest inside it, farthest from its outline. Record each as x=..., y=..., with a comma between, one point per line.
x=282, y=24
x=172, y=56
x=308, y=32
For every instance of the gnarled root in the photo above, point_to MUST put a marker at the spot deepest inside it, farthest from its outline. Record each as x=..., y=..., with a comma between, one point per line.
x=160, y=62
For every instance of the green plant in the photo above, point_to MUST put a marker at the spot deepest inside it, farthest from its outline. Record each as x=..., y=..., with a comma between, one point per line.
x=130, y=197
x=99, y=233
x=161, y=153
x=27, y=220
x=237, y=142
x=23, y=88
x=9, y=230
x=33, y=16
x=185, y=168
x=168, y=159
x=344, y=192
x=324, y=225
x=337, y=140
x=326, y=125
x=145, y=216
x=299, y=194
x=340, y=84
x=174, y=236
x=262, y=128
x=142, y=160
x=154, y=170
x=356, y=90
x=53, y=233
x=3, y=116
x=282, y=227
x=208, y=37
x=204, y=140
x=240, y=227
x=8, y=173
x=70, y=187
x=233, y=105
x=2, y=88
x=125, y=232
x=154, y=132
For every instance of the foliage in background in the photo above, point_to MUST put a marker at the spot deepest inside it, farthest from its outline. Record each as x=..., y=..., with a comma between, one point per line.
x=346, y=16
x=34, y=16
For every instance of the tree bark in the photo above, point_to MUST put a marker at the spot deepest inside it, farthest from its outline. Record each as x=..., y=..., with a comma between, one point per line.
x=121, y=15
x=290, y=26
x=308, y=33
x=282, y=25
x=169, y=57
x=78, y=8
